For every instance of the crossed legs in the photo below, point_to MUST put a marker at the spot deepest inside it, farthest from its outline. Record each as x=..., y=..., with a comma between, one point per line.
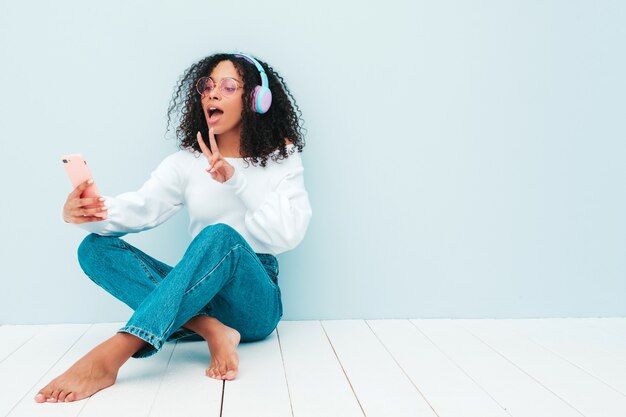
x=218, y=278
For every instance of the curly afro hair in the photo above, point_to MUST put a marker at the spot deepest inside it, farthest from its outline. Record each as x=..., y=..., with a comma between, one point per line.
x=262, y=135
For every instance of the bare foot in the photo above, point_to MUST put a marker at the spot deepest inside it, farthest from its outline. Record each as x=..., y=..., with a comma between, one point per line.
x=86, y=377
x=223, y=342
x=95, y=371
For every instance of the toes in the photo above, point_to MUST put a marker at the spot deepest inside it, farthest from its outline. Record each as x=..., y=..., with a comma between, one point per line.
x=231, y=371
x=222, y=370
x=70, y=397
x=62, y=396
x=214, y=371
x=52, y=398
x=43, y=394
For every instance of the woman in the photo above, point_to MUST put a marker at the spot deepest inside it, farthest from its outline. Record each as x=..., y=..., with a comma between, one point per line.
x=247, y=202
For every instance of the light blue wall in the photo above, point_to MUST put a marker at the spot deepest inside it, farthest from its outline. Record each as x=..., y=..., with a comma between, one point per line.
x=464, y=158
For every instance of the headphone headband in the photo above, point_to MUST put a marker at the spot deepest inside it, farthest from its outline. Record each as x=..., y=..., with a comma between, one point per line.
x=256, y=64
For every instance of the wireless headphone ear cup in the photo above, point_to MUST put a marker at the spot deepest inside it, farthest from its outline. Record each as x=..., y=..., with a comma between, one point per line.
x=261, y=99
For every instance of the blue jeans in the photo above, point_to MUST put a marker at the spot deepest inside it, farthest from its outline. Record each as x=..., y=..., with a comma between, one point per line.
x=219, y=276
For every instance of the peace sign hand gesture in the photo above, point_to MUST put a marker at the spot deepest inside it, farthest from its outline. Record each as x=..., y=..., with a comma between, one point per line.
x=219, y=168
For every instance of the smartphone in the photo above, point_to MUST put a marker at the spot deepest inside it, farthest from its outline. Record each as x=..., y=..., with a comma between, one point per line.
x=76, y=167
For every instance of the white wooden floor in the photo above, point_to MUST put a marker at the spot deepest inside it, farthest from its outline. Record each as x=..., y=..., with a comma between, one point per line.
x=344, y=368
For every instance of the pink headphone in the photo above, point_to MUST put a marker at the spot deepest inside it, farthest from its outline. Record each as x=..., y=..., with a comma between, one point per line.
x=261, y=95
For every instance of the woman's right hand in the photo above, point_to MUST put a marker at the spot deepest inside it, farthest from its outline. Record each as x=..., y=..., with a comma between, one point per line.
x=75, y=209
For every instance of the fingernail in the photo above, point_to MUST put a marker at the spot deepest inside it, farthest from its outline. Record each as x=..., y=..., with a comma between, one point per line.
x=90, y=182
x=101, y=199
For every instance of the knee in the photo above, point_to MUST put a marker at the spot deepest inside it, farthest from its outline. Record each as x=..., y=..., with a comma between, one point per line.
x=258, y=331
x=219, y=232
x=247, y=337
x=91, y=249
x=87, y=247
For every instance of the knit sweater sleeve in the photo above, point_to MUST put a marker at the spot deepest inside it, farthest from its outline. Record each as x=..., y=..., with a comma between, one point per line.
x=158, y=199
x=279, y=218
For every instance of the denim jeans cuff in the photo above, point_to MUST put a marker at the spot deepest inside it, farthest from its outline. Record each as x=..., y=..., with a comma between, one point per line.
x=154, y=343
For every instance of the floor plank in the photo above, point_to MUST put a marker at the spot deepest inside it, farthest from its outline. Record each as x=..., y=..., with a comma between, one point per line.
x=380, y=385
x=616, y=325
x=597, y=346
x=586, y=393
x=514, y=390
x=22, y=371
x=260, y=389
x=13, y=337
x=317, y=384
x=447, y=387
x=185, y=389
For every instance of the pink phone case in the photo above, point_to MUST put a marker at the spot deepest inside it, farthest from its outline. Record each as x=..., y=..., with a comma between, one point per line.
x=78, y=171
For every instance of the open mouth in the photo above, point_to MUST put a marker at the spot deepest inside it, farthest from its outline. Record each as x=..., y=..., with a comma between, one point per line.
x=215, y=112
x=215, y=115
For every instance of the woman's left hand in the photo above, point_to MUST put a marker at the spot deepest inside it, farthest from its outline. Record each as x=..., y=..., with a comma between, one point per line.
x=219, y=168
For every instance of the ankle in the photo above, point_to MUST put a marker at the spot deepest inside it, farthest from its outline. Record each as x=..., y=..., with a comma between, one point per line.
x=120, y=348
x=203, y=325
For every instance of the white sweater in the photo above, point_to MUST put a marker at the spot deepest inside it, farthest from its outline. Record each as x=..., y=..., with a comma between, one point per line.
x=268, y=206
